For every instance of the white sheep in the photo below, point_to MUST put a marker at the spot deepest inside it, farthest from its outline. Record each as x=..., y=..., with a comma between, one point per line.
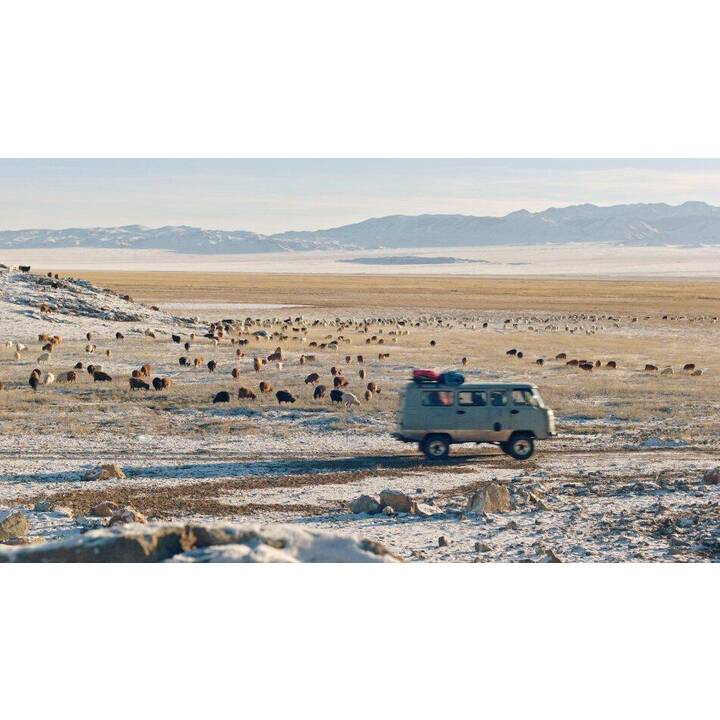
x=49, y=379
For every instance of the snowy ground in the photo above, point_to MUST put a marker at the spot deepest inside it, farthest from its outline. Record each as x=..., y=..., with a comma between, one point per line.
x=623, y=481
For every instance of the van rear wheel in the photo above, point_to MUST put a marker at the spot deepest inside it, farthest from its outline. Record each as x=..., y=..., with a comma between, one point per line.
x=435, y=447
x=520, y=446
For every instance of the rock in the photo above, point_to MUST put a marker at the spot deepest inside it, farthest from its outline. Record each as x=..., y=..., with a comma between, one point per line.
x=512, y=525
x=443, y=541
x=538, y=502
x=482, y=547
x=124, y=543
x=62, y=512
x=106, y=508
x=369, y=504
x=104, y=472
x=211, y=542
x=13, y=525
x=712, y=476
x=551, y=557
x=493, y=498
x=425, y=510
x=399, y=501
x=388, y=510
x=43, y=506
x=126, y=515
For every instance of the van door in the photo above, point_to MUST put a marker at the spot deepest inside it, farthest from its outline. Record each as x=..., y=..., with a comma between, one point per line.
x=472, y=417
x=501, y=415
x=436, y=412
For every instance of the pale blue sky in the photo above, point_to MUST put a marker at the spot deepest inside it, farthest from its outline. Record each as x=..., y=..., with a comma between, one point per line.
x=274, y=195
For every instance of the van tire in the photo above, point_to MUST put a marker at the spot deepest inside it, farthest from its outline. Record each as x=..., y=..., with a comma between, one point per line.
x=436, y=447
x=520, y=446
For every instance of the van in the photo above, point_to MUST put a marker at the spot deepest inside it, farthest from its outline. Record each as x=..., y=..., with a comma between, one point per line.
x=436, y=415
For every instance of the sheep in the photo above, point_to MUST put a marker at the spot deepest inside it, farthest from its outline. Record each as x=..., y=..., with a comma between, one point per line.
x=89, y=348
x=88, y=336
x=183, y=361
x=78, y=366
x=283, y=396
x=222, y=397
x=161, y=383
x=336, y=396
x=49, y=378
x=100, y=376
x=176, y=339
x=44, y=357
x=519, y=354
x=650, y=367
x=246, y=394
x=340, y=381
x=48, y=347
x=211, y=366
x=146, y=370
x=349, y=399
x=71, y=376
x=312, y=378
x=235, y=372
x=361, y=373
x=433, y=343
x=696, y=373
x=561, y=356
x=257, y=365
x=368, y=395
x=373, y=387
x=666, y=371
x=348, y=359
x=319, y=392
x=513, y=351
x=587, y=366
x=17, y=356
x=573, y=363
x=464, y=362
x=265, y=387
x=119, y=336
x=198, y=361
x=611, y=364
x=138, y=384
x=540, y=362
x=688, y=367
x=360, y=359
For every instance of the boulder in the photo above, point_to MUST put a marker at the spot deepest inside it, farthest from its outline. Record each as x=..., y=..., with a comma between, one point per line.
x=104, y=472
x=425, y=510
x=482, y=547
x=712, y=476
x=13, y=525
x=388, y=510
x=126, y=515
x=198, y=542
x=399, y=501
x=493, y=498
x=369, y=504
x=106, y=508
x=443, y=541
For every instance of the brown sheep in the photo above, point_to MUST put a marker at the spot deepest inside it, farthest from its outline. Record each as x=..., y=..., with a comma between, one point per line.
x=246, y=394
x=464, y=362
x=119, y=336
x=368, y=395
x=184, y=361
x=348, y=359
x=312, y=378
x=265, y=387
x=687, y=367
x=373, y=387
x=138, y=384
x=34, y=380
x=319, y=392
x=71, y=376
x=561, y=356
x=146, y=370
x=211, y=366
x=360, y=359
x=611, y=364
x=361, y=373
x=136, y=374
x=161, y=383
x=433, y=343
x=573, y=363
x=48, y=347
x=519, y=354
x=235, y=373
x=587, y=366
x=650, y=367
x=78, y=366
x=696, y=373
x=108, y=352
x=256, y=364
x=198, y=361
x=513, y=351
x=540, y=362
x=333, y=371
x=340, y=381
x=100, y=376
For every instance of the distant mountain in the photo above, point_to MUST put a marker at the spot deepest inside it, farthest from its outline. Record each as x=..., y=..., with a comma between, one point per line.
x=689, y=224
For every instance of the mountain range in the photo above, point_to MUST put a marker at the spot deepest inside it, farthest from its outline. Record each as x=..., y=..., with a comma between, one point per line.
x=689, y=224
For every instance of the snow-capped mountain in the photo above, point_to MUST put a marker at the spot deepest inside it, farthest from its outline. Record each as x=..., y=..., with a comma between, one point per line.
x=691, y=223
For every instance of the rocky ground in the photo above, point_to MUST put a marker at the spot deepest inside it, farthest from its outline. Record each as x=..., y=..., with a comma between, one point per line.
x=625, y=480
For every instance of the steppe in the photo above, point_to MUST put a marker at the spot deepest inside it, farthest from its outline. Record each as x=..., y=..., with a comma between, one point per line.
x=625, y=479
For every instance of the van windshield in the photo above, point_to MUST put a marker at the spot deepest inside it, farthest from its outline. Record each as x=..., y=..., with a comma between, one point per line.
x=523, y=396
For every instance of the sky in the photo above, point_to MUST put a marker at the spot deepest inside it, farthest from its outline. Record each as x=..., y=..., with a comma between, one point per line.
x=269, y=196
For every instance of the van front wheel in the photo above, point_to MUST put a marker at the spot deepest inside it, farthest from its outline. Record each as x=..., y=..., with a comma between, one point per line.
x=435, y=447
x=521, y=446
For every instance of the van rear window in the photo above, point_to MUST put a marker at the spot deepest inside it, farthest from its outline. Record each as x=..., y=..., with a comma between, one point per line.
x=437, y=398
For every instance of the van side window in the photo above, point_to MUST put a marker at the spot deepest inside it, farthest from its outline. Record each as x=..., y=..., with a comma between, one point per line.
x=498, y=398
x=523, y=397
x=437, y=398
x=472, y=397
